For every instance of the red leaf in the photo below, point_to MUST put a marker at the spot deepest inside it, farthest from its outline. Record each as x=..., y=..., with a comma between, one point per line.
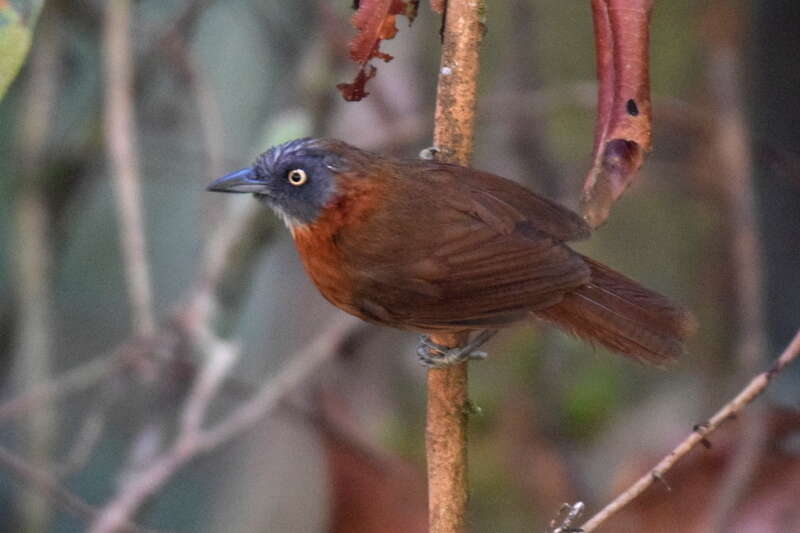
x=353, y=92
x=622, y=130
x=374, y=21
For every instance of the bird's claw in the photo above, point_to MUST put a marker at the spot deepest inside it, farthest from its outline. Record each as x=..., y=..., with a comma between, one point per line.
x=429, y=153
x=434, y=355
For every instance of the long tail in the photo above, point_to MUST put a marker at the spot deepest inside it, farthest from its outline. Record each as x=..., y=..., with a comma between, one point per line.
x=623, y=316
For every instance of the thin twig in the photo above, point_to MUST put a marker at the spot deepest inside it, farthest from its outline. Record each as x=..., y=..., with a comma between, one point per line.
x=193, y=441
x=753, y=389
x=89, y=434
x=104, y=401
x=145, y=459
x=73, y=381
x=302, y=365
x=120, y=134
x=216, y=295
x=448, y=403
x=47, y=484
x=220, y=357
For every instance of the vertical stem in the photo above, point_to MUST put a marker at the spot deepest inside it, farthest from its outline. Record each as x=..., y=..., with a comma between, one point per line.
x=446, y=444
x=33, y=357
x=120, y=135
x=446, y=432
x=458, y=81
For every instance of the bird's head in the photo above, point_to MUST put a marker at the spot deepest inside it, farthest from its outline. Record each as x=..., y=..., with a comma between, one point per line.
x=297, y=179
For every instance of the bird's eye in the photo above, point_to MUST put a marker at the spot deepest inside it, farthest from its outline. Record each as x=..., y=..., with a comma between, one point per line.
x=297, y=177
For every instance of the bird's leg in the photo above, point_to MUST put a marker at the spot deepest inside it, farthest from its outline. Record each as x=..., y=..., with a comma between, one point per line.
x=434, y=355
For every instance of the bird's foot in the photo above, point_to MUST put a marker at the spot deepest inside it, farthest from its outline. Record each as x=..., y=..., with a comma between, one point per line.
x=434, y=355
x=429, y=153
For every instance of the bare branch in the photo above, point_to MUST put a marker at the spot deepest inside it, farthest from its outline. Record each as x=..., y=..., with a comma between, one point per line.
x=120, y=134
x=89, y=434
x=47, y=484
x=220, y=356
x=76, y=380
x=302, y=365
x=753, y=389
x=192, y=441
x=448, y=403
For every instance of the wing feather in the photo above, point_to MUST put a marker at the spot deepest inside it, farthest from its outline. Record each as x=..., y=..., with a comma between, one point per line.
x=499, y=194
x=486, y=253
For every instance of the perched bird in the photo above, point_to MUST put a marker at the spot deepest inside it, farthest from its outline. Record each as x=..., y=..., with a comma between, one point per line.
x=433, y=247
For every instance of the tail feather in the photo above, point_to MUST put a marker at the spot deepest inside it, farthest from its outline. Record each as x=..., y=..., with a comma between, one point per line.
x=623, y=316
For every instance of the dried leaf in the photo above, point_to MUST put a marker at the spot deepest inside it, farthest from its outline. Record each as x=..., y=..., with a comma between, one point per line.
x=374, y=21
x=622, y=130
x=353, y=92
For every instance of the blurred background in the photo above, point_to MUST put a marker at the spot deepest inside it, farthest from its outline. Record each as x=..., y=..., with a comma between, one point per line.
x=105, y=331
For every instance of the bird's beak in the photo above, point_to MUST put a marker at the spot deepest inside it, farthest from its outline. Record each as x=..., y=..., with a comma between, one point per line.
x=243, y=180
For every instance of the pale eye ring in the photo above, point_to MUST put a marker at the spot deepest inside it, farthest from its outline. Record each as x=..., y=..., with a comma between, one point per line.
x=297, y=177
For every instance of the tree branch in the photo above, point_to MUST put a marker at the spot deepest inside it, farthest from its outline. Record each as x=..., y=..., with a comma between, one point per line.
x=47, y=484
x=448, y=404
x=193, y=441
x=753, y=389
x=122, y=153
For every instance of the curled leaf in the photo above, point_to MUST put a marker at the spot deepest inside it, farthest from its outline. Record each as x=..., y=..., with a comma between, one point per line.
x=374, y=21
x=623, y=127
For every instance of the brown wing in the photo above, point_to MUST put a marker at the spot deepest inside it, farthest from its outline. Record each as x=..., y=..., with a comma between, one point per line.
x=477, y=251
x=502, y=195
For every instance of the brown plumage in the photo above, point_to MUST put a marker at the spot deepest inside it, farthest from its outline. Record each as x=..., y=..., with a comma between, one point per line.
x=433, y=247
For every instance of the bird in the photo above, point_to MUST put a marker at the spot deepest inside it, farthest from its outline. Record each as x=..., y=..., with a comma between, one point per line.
x=435, y=248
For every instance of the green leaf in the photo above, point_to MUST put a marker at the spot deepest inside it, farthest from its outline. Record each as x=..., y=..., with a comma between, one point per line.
x=17, y=19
